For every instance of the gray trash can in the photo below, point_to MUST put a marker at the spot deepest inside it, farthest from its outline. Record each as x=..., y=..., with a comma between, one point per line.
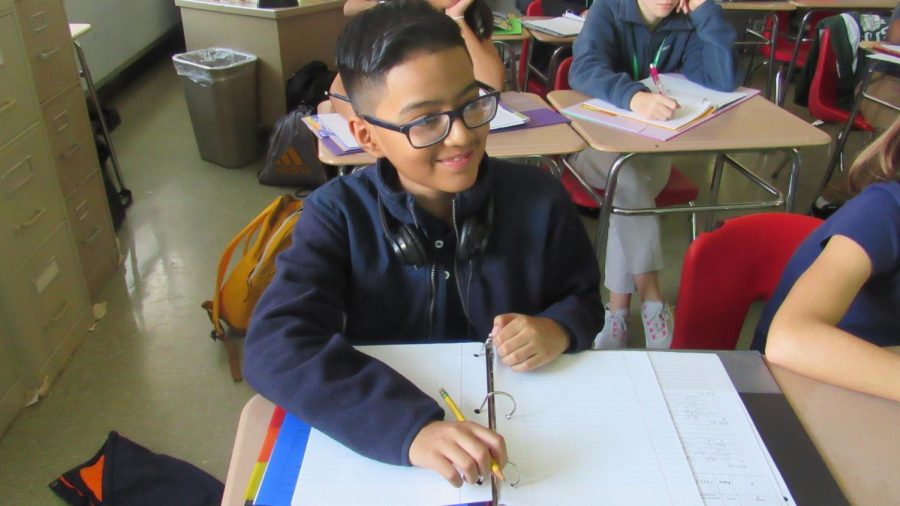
x=220, y=89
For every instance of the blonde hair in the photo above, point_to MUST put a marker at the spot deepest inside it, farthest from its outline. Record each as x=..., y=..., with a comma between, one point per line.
x=878, y=162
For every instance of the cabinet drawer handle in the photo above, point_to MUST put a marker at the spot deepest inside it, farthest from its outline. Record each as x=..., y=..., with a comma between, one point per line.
x=93, y=236
x=31, y=221
x=7, y=105
x=59, y=314
x=24, y=181
x=46, y=55
x=71, y=151
x=39, y=21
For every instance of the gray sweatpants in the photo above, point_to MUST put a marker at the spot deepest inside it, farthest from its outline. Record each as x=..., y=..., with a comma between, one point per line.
x=633, y=243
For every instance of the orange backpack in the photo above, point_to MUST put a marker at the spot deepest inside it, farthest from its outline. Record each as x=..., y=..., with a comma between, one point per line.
x=236, y=296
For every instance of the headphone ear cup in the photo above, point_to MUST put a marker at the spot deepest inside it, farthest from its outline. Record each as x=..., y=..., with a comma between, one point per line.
x=410, y=247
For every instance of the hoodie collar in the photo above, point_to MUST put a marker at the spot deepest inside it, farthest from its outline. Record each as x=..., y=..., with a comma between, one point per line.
x=631, y=13
x=399, y=202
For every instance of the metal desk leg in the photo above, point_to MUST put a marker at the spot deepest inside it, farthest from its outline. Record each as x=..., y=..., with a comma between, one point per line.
x=773, y=37
x=792, y=181
x=528, y=52
x=606, y=210
x=790, y=68
x=86, y=73
x=714, y=189
x=508, y=56
x=555, y=59
x=845, y=133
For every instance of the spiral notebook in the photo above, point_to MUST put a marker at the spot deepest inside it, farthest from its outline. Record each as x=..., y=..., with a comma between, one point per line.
x=630, y=427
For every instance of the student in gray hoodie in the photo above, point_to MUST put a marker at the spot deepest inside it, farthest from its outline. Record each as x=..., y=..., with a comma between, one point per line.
x=619, y=42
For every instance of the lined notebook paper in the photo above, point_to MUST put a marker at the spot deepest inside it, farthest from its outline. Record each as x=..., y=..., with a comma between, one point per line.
x=611, y=427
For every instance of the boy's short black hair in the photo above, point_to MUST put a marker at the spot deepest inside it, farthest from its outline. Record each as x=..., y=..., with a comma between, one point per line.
x=384, y=36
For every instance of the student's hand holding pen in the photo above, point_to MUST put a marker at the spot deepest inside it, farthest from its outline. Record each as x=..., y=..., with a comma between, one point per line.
x=528, y=342
x=653, y=105
x=458, y=450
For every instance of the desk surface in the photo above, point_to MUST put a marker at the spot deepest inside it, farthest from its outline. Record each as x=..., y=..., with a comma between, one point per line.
x=525, y=35
x=750, y=5
x=854, y=433
x=548, y=140
x=845, y=4
x=546, y=37
x=753, y=125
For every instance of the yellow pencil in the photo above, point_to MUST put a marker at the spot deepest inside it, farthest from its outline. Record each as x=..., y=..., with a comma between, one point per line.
x=460, y=418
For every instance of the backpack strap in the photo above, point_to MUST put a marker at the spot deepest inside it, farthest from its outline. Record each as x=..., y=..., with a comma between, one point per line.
x=214, y=307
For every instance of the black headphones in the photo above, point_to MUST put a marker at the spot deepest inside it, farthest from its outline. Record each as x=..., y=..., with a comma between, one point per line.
x=412, y=249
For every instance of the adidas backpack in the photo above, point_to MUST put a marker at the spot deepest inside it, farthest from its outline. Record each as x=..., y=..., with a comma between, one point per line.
x=292, y=158
x=235, y=297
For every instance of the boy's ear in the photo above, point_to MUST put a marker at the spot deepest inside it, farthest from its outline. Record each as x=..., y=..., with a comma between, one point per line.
x=365, y=136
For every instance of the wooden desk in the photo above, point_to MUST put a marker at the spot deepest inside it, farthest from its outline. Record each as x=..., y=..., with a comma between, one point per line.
x=756, y=125
x=855, y=433
x=563, y=44
x=283, y=39
x=837, y=5
x=542, y=141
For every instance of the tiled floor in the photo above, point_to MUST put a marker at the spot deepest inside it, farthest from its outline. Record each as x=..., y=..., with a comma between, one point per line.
x=149, y=370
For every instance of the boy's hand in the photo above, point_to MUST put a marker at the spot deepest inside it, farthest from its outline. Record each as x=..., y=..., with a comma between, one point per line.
x=451, y=448
x=458, y=9
x=653, y=105
x=686, y=6
x=528, y=342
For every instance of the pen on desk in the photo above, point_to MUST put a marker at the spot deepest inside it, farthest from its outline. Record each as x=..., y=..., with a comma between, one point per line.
x=654, y=74
x=460, y=418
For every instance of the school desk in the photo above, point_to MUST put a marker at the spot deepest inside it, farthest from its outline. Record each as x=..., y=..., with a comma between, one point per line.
x=830, y=5
x=283, y=39
x=852, y=432
x=563, y=46
x=861, y=94
x=756, y=125
x=768, y=10
x=543, y=141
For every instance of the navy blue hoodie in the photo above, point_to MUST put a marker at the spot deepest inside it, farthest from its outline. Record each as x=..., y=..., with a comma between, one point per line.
x=615, y=50
x=340, y=284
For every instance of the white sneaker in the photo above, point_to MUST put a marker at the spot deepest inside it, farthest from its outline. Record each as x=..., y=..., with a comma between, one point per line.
x=614, y=335
x=658, y=324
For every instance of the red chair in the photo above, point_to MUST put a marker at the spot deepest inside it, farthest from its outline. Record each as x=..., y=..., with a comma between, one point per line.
x=784, y=48
x=679, y=189
x=725, y=270
x=533, y=85
x=823, y=93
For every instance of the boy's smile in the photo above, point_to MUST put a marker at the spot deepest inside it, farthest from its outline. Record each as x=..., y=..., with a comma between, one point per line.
x=427, y=83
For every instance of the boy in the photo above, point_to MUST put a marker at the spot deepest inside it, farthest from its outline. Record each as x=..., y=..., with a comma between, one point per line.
x=619, y=42
x=435, y=241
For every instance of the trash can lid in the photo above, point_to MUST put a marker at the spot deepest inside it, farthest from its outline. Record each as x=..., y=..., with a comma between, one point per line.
x=214, y=58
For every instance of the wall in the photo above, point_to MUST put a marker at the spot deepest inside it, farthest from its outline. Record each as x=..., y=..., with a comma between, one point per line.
x=122, y=29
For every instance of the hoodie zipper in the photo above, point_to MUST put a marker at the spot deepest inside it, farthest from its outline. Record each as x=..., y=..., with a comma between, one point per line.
x=432, y=281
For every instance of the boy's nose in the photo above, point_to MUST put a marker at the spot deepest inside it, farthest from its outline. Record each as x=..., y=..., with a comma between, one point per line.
x=459, y=134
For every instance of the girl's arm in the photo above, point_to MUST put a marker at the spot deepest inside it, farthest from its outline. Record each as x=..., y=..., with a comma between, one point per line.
x=804, y=336
x=486, y=61
x=354, y=7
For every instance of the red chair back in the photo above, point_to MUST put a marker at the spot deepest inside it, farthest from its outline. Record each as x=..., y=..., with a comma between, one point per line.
x=823, y=91
x=561, y=82
x=725, y=270
x=784, y=46
x=535, y=8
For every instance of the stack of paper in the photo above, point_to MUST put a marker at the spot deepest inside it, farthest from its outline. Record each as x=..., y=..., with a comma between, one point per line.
x=334, y=128
x=567, y=25
x=696, y=104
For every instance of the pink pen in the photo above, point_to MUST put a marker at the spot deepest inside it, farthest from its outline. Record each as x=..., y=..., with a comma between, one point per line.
x=654, y=74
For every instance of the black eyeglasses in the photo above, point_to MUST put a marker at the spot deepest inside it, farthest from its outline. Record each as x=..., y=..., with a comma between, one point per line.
x=434, y=128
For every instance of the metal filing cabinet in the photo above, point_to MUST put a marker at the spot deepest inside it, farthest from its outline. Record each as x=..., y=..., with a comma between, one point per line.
x=57, y=244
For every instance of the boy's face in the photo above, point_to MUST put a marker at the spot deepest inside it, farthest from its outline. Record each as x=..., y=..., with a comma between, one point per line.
x=426, y=83
x=654, y=10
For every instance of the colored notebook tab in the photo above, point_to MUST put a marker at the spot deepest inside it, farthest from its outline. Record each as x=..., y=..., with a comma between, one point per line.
x=697, y=104
x=265, y=452
x=567, y=25
x=280, y=477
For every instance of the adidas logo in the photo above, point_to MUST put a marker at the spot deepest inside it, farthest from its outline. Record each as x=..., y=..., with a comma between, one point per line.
x=290, y=163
